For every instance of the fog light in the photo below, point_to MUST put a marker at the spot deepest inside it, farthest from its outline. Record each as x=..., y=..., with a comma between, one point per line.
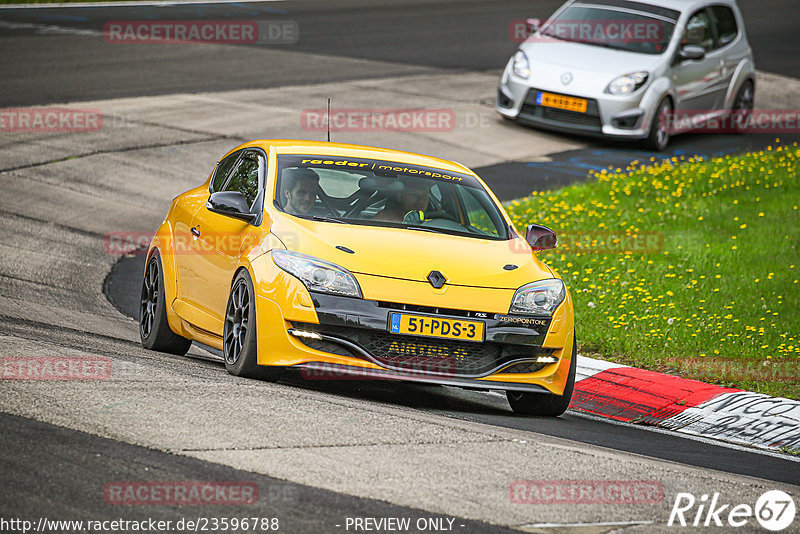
x=303, y=333
x=546, y=359
x=627, y=122
x=504, y=101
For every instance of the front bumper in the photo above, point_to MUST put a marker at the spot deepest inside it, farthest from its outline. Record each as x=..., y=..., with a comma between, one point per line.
x=615, y=116
x=358, y=328
x=350, y=339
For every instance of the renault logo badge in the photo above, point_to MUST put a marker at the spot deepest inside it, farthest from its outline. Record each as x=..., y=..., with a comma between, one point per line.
x=436, y=279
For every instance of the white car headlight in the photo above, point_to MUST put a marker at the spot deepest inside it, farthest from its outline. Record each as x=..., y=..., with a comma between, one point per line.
x=539, y=298
x=627, y=83
x=316, y=274
x=520, y=64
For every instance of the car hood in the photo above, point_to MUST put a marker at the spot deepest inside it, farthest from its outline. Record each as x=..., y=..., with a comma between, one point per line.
x=412, y=255
x=592, y=67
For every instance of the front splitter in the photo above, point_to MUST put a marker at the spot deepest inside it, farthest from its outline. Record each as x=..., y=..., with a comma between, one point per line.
x=331, y=371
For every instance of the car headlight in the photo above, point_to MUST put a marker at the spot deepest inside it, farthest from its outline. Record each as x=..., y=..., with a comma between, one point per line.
x=316, y=274
x=520, y=65
x=539, y=298
x=627, y=83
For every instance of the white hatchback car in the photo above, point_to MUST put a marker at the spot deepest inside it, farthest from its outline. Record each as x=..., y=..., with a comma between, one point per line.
x=628, y=69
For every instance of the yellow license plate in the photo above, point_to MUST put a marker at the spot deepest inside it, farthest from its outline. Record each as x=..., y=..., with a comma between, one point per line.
x=423, y=325
x=570, y=103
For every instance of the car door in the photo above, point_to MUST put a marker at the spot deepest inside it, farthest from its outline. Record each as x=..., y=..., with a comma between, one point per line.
x=221, y=239
x=186, y=244
x=726, y=33
x=697, y=82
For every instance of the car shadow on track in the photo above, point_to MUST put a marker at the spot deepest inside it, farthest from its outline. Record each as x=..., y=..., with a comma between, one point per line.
x=410, y=395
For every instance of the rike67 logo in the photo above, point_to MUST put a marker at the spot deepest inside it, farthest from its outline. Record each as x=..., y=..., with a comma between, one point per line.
x=774, y=510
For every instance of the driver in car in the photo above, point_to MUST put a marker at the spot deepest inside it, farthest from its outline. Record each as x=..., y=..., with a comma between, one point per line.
x=408, y=205
x=299, y=190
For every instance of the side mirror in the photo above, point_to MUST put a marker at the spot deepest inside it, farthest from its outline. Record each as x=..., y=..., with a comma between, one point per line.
x=532, y=25
x=232, y=204
x=691, y=52
x=540, y=237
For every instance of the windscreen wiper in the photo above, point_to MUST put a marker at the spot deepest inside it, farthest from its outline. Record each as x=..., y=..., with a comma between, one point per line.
x=598, y=43
x=554, y=36
x=328, y=219
x=421, y=228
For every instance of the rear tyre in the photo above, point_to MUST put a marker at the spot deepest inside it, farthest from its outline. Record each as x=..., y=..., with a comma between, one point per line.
x=240, y=344
x=658, y=138
x=743, y=106
x=154, y=329
x=524, y=403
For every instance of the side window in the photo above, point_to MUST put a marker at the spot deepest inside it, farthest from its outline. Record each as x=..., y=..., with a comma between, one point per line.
x=726, y=25
x=698, y=31
x=224, y=168
x=245, y=177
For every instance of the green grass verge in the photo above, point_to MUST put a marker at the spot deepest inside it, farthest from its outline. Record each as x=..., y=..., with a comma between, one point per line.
x=688, y=267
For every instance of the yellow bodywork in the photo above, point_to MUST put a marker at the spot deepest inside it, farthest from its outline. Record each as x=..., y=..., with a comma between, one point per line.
x=383, y=266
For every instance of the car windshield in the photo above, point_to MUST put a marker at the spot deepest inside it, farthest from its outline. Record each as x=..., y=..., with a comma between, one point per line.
x=610, y=27
x=385, y=193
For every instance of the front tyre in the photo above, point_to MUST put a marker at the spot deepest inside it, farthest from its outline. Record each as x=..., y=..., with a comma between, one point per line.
x=743, y=106
x=154, y=329
x=240, y=346
x=525, y=403
x=658, y=138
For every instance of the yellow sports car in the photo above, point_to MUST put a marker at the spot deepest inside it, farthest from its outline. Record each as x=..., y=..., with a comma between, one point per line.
x=351, y=261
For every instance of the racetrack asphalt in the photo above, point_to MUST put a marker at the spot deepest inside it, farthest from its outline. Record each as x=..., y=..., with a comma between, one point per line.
x=84, y=462
x=42, y=63
x=425, y=450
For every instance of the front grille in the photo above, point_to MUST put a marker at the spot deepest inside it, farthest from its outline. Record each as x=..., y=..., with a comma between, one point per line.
x=424, y=309
x=587, y=121
x=415, y=354
x=328, y=346
x=524, y=367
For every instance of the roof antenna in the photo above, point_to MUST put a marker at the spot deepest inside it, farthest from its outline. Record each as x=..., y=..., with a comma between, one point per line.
x=328, y=120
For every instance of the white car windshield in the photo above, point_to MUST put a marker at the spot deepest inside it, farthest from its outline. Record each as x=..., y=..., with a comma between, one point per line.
x=346, y=190
x=611, y=27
